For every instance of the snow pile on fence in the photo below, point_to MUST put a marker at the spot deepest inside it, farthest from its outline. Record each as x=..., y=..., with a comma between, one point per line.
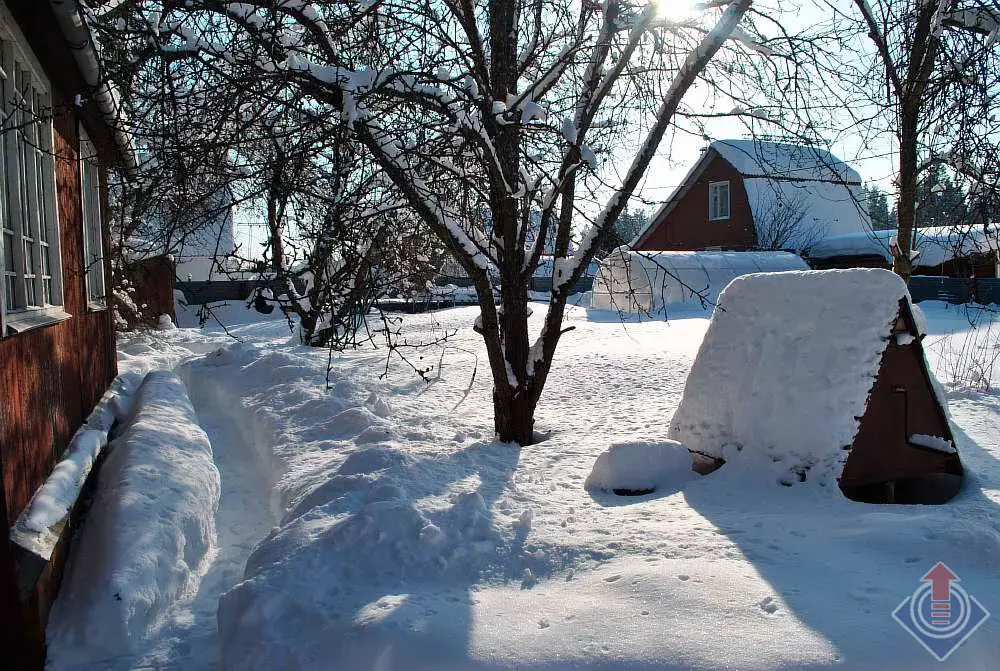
x=785, y=368
x=641, y=466
x=935, y=244
x=38, y=527
x=150, y=526
x=650, y=282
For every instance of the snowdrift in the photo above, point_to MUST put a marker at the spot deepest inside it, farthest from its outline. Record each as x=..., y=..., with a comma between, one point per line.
x=650, y=282
x=39, y=527
x=641, y=467
x=150, y=526
x=819, y=375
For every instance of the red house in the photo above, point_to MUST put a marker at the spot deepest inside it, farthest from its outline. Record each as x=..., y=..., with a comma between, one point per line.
x=751, y=194
x=57, y=341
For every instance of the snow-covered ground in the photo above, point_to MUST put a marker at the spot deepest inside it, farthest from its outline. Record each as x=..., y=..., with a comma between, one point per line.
x=407, y=538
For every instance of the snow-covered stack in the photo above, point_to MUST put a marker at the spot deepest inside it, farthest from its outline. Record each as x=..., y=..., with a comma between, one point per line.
x=641, y=467
x=785, y=369
x=150, y=526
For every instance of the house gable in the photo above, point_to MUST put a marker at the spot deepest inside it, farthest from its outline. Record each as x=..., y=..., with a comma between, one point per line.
x=783, y=196
x=684, y=223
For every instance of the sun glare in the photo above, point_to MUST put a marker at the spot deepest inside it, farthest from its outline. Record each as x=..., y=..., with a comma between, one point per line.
x=675, y=10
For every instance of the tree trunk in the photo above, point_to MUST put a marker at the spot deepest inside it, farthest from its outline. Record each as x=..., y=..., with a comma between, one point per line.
x=906, y=205
x=274, y=231
x=514, y=416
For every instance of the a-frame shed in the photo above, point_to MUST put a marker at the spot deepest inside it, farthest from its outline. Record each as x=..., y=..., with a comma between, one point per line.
x=820, y=376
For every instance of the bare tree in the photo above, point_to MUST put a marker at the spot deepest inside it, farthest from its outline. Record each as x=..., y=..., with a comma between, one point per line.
x=483, y=117
x=935, y=80
x=782, y=223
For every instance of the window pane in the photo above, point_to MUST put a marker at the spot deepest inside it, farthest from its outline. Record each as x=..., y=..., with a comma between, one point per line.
x=9, y=294
x=8, y=250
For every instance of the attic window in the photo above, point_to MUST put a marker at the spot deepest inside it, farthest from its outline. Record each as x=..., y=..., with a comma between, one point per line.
x=718, y=201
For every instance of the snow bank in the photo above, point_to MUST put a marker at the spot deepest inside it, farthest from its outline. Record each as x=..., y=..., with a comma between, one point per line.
x=38, y=528
x=221, y=313
x=733, y=573
x=785, y=368
x=641, y=466
x=649, y=282
x=150, y=526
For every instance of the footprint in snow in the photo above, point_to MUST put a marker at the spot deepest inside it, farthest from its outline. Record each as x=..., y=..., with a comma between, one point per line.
x=769, y=605
x=683, y=577
x=613, y=578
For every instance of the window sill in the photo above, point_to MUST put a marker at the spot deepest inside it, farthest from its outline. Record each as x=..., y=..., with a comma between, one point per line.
x=28, y=320
x=711, y=220
x=96, y=306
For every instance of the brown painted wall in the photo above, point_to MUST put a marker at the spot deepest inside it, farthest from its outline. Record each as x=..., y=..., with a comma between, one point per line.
x=686, y=226
x=51, y=377
x=901, y=403
x=153, y=279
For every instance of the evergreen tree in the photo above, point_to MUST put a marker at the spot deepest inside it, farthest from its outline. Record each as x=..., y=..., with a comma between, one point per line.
x=877, y=201
x=629, y=225
x=940, y=200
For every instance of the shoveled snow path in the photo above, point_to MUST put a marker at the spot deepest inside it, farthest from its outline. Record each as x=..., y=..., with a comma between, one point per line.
x=188, y=640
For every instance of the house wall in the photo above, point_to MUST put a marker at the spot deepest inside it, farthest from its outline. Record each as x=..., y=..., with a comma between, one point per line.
x=50, y=377
x=686, y=226
x=153, y=280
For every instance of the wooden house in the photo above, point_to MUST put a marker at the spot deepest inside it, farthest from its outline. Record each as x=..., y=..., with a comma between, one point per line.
x=756, y=195
x=57, y=341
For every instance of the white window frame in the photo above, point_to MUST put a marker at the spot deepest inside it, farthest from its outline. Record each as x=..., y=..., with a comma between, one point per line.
x=715, y=201
x=29, y=215
x=95, y=283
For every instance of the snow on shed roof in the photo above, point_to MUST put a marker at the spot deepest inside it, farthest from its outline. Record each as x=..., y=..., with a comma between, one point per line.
x=936, y=244
x=786, y=365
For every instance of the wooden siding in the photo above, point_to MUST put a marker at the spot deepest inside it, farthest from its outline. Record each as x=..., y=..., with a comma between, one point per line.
x=687, y=227
x=50, y=377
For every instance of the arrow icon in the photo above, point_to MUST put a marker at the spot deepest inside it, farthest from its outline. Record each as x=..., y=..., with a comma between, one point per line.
x=940, y=577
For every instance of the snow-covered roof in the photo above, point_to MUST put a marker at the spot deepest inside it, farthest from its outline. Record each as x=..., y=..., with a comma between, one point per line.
x=757, y=158
x=782, y=182
x=936, y=244
x=786, y=365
